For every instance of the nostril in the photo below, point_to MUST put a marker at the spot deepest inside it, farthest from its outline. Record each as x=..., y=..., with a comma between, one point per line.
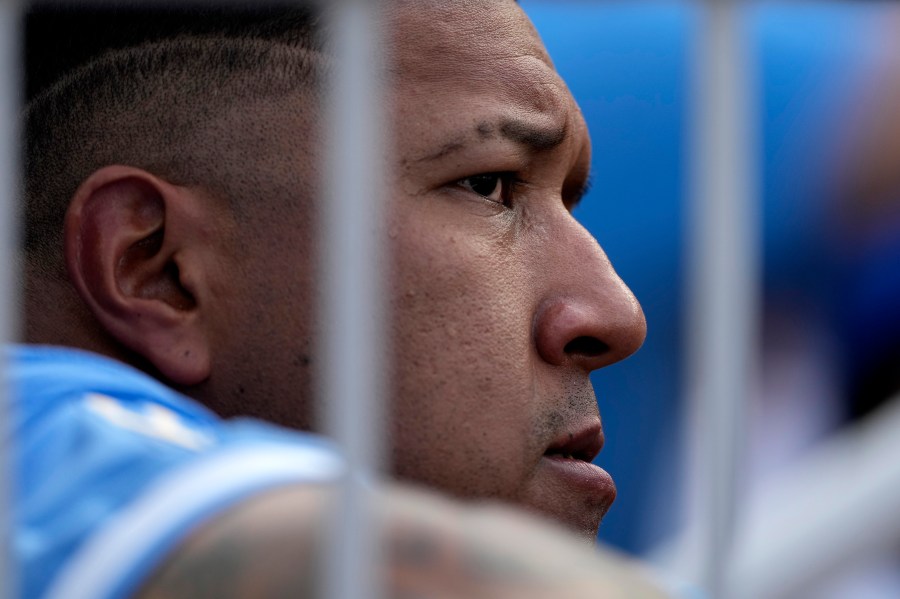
x=590, y=347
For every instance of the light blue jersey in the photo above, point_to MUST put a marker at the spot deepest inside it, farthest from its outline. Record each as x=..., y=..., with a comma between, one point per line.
x=113, y=470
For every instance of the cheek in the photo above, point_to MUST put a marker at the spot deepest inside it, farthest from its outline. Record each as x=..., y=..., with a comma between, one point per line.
x=462, y=383
x=458, y=300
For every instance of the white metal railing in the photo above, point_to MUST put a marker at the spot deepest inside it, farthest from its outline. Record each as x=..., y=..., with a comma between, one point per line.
x=724, y=288
x=10, y=186
x=352, y=302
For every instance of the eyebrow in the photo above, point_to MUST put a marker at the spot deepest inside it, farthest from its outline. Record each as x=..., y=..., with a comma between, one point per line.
x=534, y=137
x=539, y=139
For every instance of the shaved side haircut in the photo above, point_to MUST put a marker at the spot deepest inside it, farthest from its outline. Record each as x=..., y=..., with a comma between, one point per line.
x=212, y=99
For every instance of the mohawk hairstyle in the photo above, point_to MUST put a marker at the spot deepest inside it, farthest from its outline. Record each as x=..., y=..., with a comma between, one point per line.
x=191, y=96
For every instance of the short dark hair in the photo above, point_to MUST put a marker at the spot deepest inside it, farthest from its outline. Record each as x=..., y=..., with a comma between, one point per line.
x=161, y=90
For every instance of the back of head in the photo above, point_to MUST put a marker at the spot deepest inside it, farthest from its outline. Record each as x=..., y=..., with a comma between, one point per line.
x=197, y=97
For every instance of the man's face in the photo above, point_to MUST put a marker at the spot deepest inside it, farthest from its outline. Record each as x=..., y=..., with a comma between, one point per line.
x=502, y=303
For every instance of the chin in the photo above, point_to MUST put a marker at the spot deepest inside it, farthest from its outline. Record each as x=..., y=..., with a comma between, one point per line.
x=584, y=528
x=581, y=524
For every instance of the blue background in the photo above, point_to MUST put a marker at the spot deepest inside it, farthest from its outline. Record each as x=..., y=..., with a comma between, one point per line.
x=629, y=66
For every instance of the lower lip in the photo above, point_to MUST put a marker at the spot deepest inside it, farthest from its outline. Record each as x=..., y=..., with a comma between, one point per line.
x=583, y=477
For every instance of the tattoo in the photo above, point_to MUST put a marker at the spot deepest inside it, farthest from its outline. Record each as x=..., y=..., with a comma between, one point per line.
x=274, y=549
x=209, y=571
x=251, y=554
x=427, y=561
x=232, y=570
x=416, y=549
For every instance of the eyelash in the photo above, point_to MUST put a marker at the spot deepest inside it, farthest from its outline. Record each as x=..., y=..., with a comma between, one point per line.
x=506, y=180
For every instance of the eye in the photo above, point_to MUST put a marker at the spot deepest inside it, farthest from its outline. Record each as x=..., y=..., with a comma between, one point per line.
x=495, y=187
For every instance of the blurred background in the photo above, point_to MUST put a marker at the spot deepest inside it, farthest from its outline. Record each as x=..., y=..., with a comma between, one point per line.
x=825, y=81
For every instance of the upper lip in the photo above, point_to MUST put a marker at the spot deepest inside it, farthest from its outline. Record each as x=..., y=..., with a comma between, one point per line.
x=585, y=444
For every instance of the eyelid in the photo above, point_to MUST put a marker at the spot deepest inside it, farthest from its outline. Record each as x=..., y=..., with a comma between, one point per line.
x=573, y=198
x=508, y=181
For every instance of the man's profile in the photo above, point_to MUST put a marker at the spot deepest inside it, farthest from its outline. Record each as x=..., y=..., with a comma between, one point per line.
x=172, y=189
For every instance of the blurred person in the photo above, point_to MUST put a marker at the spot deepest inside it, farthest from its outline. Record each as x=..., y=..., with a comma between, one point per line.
x=865, y=224
x=864, y=228
x=831, y=322
x=172, y=190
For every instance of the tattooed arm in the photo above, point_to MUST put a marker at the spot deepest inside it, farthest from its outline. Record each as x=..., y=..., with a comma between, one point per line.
x=271, y=548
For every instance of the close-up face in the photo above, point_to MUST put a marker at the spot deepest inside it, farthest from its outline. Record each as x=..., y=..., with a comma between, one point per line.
x=502, y=304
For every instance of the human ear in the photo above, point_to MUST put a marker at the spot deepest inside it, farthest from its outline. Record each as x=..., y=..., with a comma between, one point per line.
x=130, y=255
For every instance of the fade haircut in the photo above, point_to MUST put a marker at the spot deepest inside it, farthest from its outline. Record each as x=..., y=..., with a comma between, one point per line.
x=198, y=98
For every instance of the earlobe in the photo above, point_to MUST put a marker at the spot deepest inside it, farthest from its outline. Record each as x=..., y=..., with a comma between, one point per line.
x=125, y=259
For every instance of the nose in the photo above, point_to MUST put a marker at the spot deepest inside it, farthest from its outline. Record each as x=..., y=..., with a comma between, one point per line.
x=588, y=318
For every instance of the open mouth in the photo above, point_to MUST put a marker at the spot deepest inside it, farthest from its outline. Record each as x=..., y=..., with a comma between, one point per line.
x=583, y=445
x=581, y=491
x=568, y=456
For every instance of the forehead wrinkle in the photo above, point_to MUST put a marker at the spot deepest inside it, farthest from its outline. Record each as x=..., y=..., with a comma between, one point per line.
x=463, y=28
x=446, y=150
x=440, y=41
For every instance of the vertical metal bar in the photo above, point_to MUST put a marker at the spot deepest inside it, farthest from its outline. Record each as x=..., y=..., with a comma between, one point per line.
x=352, y=303
x=724, y=285
x=10, y=86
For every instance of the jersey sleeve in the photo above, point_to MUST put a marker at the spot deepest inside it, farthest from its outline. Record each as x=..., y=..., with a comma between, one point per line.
x=114, y=470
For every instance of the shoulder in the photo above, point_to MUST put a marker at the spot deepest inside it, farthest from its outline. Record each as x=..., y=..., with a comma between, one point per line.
x=104, y=451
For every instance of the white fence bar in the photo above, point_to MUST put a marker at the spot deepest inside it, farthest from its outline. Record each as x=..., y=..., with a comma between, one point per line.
x=724, y=284
x=835, y=505
x=353, y=323
x=10, y=186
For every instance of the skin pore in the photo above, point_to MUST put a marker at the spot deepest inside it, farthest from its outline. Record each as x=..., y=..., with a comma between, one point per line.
x=503, y=303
